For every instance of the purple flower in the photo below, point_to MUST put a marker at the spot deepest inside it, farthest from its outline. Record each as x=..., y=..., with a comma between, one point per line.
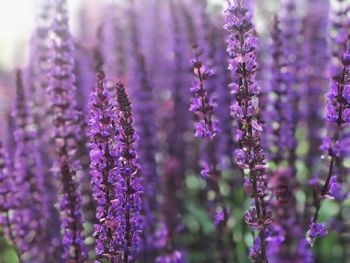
x=333, y=149
x=335, y=189
x=61, y=92
x=332, y=114
x=251, y=218
x=241, y=47
x=31, y=215
x=327, y=144
x=237, y=111
x=128, y=190
x=103, y=164
x=346, y=116
x=219, y=217
x=254, y=252
x=206, y=129
x=206, y=170
x=240, y=157
x=346, y=92
x=338, y=114
x=201, y=105
x=317, y=230
x=202, y=130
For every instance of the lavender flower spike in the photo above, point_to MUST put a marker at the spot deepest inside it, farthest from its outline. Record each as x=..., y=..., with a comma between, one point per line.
x=128, y=203
x=31, y=215
x=201, y=105
x=62, y=96
x=103, y=158
x=241, y=49
x=338, y=112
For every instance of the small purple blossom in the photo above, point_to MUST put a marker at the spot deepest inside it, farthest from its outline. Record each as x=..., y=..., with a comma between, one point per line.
x=317, y=230
x=240, y=157
x=219, y=217
x=206, y=170
x=335, y=189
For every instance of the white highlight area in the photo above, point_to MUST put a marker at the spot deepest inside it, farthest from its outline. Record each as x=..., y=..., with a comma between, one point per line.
x=17, y=21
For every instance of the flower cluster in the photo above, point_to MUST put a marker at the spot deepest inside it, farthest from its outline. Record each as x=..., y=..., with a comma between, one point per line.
x=129, y=188
x=30, y=217
x=62, y=104
x=241, y=49
x=104, y=159
x=337, y=111
x=201, y=105
x=206, y=129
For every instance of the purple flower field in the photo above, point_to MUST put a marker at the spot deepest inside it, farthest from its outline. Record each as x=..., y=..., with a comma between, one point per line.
x=179, y=131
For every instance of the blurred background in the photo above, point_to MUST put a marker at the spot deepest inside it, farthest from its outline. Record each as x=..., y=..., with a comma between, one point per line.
x=17, y=21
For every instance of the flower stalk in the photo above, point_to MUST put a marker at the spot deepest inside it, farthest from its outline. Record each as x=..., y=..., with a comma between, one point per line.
x=249, y=156
x=65, y=118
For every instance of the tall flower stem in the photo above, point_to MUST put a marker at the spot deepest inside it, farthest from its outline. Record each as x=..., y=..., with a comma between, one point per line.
x=340, y=81
x=249, y=155
x=130, y=185
x=104, y=159
x=203, y=108
x=32, y=213
x=65, y=118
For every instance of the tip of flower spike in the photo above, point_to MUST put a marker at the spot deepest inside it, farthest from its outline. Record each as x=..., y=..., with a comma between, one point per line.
x=100, y=75
x=19, y=82
x=119, y=85
x=122, y=96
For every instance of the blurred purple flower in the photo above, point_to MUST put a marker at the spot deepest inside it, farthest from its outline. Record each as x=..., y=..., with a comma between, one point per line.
x=317, y=230
x=62, y=97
